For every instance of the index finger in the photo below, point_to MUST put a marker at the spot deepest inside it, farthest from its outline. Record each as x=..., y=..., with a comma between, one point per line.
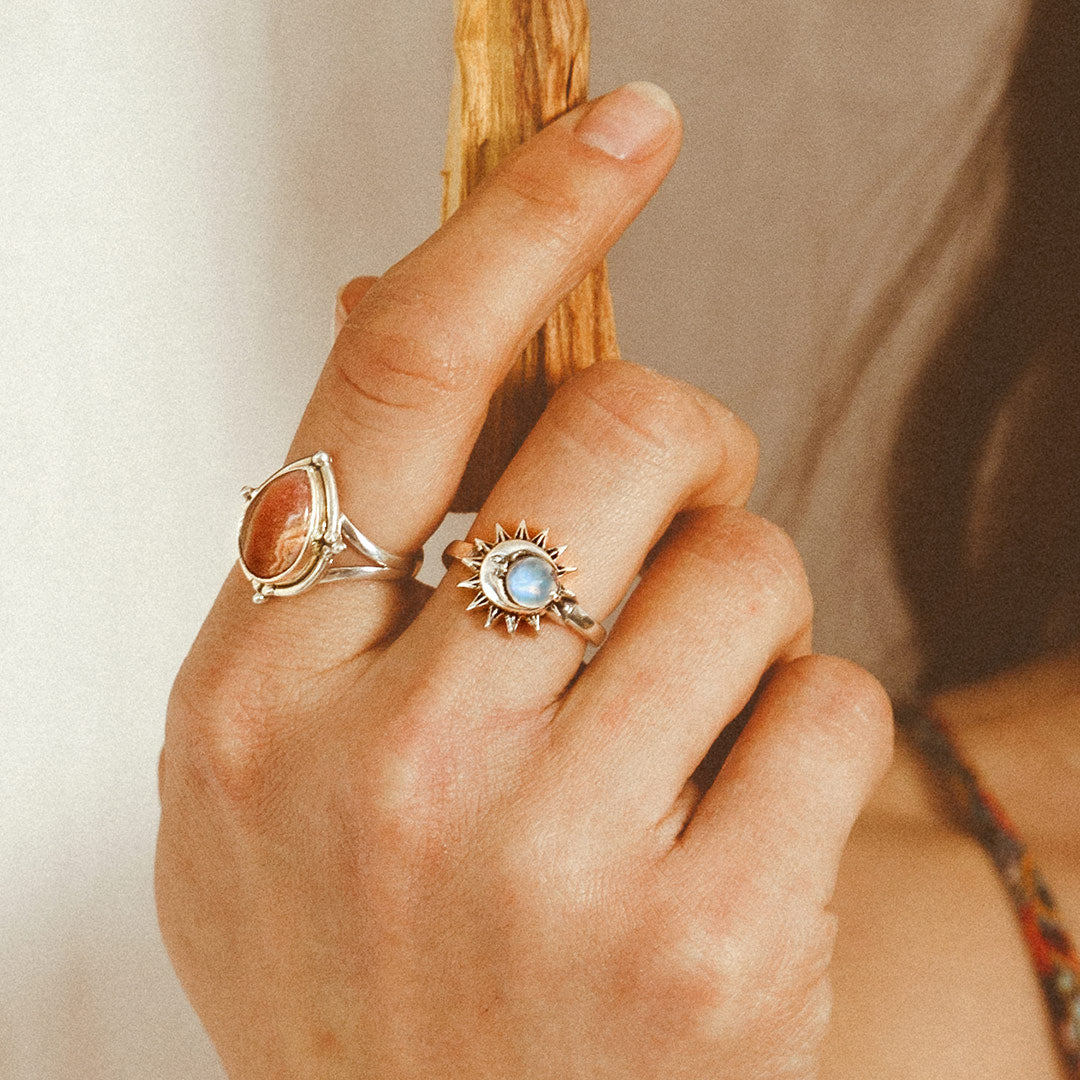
x=405, y=390
x=407, y=385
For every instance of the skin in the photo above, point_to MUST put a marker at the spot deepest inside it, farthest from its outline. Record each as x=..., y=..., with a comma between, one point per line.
x=395, y=844
x=932, y=977
x=841, y=129
x=350, y=886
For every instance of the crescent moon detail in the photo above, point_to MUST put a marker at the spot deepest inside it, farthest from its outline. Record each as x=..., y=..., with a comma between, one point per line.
x=491, y=565
x=496, y=566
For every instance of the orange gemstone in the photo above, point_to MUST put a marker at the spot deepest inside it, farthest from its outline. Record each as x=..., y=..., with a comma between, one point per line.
x=275, y=529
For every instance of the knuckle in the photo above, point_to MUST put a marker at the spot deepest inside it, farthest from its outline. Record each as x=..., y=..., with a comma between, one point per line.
x=623, y=411
x=528, y=880
x=692, y=973
x=409, y=780
x=225, y=730
x=544, y=204
x=786, y=961
x=718, y=981
x=421, y=790
x=797, y=1028
x=817, y=1010
x=405, y=355
x=377, y=373
x=553, y=865
x=765, y=546
x=785, y=1033
x=726, y=973
x=849, y=707
x=762, y=552
x=799, y=950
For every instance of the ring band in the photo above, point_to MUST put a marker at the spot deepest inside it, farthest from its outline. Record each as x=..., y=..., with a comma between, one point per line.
x=293, y=528
x=517, y=579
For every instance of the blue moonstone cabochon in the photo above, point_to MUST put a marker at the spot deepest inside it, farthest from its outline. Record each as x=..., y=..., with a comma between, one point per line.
x=531, y=582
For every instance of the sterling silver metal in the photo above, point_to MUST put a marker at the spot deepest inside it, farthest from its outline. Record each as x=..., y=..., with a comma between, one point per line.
x=490, y=564
x=329, y=533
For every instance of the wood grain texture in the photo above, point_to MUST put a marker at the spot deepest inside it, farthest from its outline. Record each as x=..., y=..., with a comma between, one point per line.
x=521, y=64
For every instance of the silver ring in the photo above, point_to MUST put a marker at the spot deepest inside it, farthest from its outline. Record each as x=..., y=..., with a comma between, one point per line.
x=293, y=528
x=517, y=579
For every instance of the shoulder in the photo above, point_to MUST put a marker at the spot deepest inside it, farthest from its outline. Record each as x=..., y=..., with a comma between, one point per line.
x=931, y=975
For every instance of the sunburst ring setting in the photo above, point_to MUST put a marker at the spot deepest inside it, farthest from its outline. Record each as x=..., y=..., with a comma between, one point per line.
x=517, y=579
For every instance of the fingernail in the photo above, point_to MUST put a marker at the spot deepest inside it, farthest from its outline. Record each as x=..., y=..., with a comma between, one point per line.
x=341, y=312
x=629, y=123
x=348, y=296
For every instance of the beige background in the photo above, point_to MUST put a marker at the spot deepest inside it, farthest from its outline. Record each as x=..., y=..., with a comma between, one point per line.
x=183, y=185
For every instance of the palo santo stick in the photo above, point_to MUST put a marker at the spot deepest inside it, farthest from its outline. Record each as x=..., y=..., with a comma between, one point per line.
x=520, y=64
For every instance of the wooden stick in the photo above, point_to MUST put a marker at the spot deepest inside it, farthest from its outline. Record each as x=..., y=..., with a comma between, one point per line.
x=520, y=64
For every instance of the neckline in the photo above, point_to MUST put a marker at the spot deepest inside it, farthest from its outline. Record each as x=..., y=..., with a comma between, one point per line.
x=972, y=807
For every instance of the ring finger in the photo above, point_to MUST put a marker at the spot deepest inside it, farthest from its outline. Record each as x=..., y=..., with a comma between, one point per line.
x=726, y=599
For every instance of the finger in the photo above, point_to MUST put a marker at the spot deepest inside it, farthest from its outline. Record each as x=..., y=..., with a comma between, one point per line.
x=349, y=295
x=777, y=817
x=404, y=392
x=617, y=453
x=406, y=388
x=725, y=598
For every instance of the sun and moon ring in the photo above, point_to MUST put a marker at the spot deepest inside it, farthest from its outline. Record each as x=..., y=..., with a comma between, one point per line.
x=293, y=529
x=518, y=579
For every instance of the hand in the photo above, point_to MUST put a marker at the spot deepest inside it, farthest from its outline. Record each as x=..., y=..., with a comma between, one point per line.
x=395, y=844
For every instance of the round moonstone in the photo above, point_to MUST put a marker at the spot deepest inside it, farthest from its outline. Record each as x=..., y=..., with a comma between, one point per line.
x=530, y=582
x=274, y=533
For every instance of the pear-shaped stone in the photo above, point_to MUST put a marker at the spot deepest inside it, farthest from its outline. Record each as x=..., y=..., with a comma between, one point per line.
x=274, y=533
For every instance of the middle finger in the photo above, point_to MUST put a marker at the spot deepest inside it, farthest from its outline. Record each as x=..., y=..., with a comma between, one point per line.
x=618, y=452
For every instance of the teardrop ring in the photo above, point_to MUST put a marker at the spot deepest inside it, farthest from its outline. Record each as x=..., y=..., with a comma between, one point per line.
x=293, y=529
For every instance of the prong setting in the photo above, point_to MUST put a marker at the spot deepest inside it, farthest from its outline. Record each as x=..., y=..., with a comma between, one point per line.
x=516, y=579
x=322, y=532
